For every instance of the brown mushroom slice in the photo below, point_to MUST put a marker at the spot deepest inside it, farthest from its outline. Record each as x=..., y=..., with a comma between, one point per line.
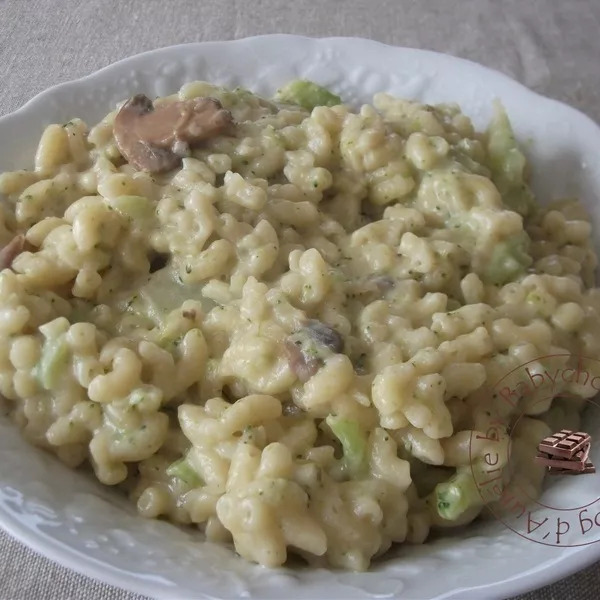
x=11, y=251
x=325, y=335
x=307, y=348
x=155, y=139
x=303, y=366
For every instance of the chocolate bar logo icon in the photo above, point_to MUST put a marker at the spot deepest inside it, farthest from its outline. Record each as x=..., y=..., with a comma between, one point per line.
x=512, y=492
x=566, y=453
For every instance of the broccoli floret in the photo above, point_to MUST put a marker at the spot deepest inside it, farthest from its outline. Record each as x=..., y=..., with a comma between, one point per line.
x=453, y=497
x=510, y=258
x=181, y=469
x=53, y=362
x=354, y=444
x=508, y=164
x=306, y=94
x=134, y=208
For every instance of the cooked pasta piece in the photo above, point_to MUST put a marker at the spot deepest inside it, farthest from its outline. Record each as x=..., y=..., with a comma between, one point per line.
x=286, y=328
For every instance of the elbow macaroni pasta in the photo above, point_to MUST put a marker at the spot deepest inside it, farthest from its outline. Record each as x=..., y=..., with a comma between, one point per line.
x=145, y=328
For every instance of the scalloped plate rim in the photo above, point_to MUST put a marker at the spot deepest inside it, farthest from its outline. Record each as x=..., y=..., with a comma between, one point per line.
x=318, y=40
x=69, y=557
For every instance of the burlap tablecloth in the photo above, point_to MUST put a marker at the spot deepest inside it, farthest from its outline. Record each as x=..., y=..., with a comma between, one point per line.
x=552, y=46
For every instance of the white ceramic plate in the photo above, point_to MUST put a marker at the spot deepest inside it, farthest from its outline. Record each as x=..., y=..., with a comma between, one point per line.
x=70, y=519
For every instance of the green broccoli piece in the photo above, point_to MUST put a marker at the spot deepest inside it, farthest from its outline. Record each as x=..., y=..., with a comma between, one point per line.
x=181, y=469
x=306, y=94
x=508, y=164
x=510, y=258
x=53, y=361
x=354, y=444
x=455, y=496
x=135, y=208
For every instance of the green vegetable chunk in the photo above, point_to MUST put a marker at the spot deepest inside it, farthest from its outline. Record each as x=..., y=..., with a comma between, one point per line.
x=508, y=164
x=53, y=362
x=510, y=258
x=455, y=496
x=160, y=293
x=306, y=94
x=181, y=469
x=133, y=207
x=354, y=444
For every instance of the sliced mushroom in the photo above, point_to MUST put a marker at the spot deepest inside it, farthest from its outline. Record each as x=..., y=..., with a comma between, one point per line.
x=11, y=251
x=155, y=139
x=301, y=364
x=325, y=335
x=307, y=348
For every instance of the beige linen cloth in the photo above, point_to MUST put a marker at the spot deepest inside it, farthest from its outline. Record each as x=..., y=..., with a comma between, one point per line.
x=552, y=46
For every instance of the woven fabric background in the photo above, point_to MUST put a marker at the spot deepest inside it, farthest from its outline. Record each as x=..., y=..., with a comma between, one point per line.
x=552, y=46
